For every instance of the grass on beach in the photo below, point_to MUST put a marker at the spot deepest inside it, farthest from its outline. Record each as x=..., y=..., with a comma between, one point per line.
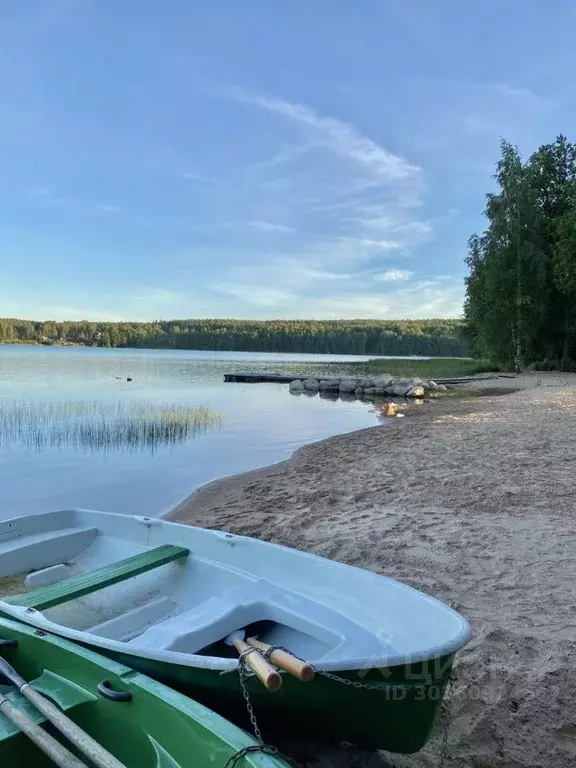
x=433, y=368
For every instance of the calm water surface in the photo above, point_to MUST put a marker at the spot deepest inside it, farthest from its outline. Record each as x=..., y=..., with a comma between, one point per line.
x=262, y=424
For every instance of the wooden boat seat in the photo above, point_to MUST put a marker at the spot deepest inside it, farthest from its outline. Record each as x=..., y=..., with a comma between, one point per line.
x=86, y=583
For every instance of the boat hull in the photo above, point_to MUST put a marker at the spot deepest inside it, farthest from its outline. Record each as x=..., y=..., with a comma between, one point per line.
x=158, y=728
x=393, y=709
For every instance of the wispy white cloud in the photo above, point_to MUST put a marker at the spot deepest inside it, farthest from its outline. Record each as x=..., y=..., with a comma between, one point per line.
x=417, y=298
x=161, y=297
x=520, y=93
x=261, y=297
x=210, y=181
x=45, y=196
x=106, y=208
x=269, y=226
x=283, y=156
x=369, y=243
x=393, y=276
x=338, y=136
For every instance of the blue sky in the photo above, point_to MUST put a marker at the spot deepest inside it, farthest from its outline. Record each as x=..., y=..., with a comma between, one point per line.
x=262, y=159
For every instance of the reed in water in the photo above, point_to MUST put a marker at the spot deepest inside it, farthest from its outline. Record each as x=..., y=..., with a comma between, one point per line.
x=102, y=426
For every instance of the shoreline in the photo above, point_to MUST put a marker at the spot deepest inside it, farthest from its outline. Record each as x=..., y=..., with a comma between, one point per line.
x=202, y=495
x=470, y=500
x=218, y=489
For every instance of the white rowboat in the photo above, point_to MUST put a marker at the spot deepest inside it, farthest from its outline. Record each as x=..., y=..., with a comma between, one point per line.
x=162, y=597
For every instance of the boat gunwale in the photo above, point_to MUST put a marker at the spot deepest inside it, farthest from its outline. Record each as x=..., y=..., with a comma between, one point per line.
x=217, y=664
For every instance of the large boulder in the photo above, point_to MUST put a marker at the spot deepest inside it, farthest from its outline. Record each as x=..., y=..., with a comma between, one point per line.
x=312, y=385
x=370, y=392
x=380, y=391
x=330, y=385
x=416, y=381
x=441, y=387
x=403, y=382
x=348, y=385
x=389, y=390
x=401, y=390
x=415, y=392
x=296, y=386
x=383, y=380
x=366, y=383
x=359, y=391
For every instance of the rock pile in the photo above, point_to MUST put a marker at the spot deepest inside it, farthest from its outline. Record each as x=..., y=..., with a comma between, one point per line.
x=378, y=386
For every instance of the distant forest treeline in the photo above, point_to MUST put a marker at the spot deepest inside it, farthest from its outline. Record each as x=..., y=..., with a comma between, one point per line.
x=359, y=337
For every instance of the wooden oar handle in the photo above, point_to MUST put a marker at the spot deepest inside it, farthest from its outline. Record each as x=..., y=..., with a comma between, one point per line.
x=59, y=755
x=284, y=660
x=264, y=671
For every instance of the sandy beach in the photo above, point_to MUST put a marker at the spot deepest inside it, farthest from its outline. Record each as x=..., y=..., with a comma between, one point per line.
x=470, y=500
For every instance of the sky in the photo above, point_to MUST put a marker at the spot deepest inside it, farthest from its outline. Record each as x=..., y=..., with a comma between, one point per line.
x=262, y=158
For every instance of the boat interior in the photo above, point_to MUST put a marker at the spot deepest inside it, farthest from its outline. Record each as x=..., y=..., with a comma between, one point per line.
x=162, y=597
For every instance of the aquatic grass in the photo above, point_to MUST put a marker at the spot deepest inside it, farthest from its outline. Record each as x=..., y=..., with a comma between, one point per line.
x=102, y=426
x=431, y=368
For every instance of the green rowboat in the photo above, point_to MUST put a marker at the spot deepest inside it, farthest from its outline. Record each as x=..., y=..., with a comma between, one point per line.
x=141, y=722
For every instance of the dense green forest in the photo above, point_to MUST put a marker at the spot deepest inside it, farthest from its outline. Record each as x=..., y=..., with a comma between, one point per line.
x=521, y=289
x=359, y=337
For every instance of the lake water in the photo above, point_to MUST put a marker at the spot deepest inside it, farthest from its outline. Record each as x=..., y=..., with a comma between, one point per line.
x=261, y=423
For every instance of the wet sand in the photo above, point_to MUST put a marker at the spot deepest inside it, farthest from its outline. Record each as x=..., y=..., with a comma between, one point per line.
x=472, y=501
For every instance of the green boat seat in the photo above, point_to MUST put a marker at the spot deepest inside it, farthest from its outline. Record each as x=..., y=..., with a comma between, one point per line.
x=86, y=583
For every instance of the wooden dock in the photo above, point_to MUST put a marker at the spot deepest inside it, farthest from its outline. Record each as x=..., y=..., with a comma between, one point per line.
x=258, y=377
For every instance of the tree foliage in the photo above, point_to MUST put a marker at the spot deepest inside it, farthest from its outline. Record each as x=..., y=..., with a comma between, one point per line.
x=371, y=337
x=521, y=289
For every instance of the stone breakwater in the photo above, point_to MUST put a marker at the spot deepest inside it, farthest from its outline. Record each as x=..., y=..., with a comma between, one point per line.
x=366, y=387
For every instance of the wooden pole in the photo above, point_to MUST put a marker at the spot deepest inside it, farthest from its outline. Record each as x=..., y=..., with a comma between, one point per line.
x=264, y=671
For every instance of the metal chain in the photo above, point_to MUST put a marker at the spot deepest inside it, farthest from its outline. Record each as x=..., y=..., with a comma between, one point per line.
x=234, y=759
x=243, y=675
x=267, y=749
x=353, y=683
x=329, y=675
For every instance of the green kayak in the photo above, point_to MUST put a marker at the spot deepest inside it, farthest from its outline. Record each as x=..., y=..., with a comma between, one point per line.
x=141, y=722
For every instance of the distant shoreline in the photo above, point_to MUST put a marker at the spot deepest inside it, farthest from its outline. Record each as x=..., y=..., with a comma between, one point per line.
x=435, y=336
x=32, y=343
